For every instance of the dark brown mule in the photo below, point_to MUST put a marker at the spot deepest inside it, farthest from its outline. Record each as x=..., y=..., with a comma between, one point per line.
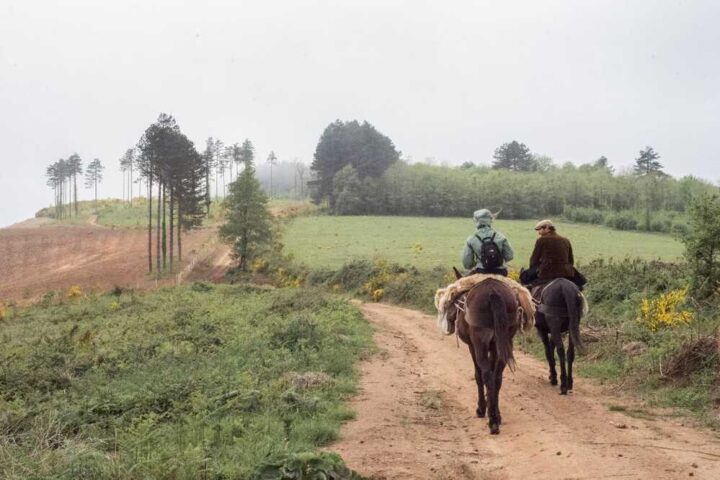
x=486, y=319
x=560, y=311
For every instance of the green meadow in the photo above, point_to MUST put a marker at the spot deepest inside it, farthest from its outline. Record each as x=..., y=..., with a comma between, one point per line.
x=330, y=241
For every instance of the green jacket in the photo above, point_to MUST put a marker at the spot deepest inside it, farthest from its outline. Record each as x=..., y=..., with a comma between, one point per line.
x=471, y=252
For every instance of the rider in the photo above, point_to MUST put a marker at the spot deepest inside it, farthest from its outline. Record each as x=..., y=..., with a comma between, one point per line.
x=471, y=257
x=552, y=255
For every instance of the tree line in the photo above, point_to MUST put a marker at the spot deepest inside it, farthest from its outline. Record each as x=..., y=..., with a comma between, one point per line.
x=62, y=178
x=358, y=172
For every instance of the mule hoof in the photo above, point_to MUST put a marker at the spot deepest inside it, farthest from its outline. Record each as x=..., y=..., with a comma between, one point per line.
x=563, y=391
x=480, y=413
x=553, y=381
x=494, y=429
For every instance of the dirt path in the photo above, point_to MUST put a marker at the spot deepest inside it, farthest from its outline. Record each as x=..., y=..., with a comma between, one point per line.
x=415, y=419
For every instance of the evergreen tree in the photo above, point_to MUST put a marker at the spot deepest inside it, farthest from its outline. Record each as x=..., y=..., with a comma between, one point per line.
x=248, y=225
x=514, y=156
x=93, y=175
x=74, y=165
x=271, y=160
x=702, y=245
x=647, y=164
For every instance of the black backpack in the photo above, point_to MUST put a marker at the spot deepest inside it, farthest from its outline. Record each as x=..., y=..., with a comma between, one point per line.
x=490, y=255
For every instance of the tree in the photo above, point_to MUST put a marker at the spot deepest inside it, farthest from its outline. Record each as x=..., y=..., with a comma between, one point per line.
x=93, y=175
x=169, y=160
x=248, y=225
x=209, y=161
x=368, y=151
x=702, y=245
x=514, y=156
x=127, y=162
x=247, y=153
x=74, y=165
x=650, y=170
x=272, y=160
x=647, y=164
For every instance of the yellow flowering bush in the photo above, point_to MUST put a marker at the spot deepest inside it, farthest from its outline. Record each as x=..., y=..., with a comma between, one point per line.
x=259, y=265
x=377, y=294
x=283, y=278
x=377, y=282
x=514, y=274
x=114, y=305
x=664, y=311
x=3, y=312
x=74, y=292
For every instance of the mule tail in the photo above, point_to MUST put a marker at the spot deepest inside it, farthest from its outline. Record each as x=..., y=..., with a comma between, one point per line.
x=574, y=314
x=501, y=327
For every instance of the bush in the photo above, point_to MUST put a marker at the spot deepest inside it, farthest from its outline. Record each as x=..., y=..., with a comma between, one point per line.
x=622, y=221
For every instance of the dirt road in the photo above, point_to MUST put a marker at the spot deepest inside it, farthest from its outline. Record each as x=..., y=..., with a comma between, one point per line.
x=415, y=419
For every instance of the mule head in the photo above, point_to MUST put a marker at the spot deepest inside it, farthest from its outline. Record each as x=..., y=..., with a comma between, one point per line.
x=446, y=320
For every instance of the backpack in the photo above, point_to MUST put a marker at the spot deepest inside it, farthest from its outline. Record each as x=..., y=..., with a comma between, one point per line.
x=490, y=255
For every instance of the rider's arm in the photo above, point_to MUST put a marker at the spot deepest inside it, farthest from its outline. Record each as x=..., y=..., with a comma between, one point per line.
x=507, y=251
x=536, y=254
x=468, y=256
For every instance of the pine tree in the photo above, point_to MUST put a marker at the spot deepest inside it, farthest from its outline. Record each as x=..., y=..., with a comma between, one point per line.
x=248, y=225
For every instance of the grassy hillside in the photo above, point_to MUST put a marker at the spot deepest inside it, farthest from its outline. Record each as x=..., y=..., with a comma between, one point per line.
x=185, y=383
x=330, y=241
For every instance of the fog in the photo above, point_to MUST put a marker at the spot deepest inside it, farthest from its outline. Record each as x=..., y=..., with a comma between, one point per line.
x=448, y=81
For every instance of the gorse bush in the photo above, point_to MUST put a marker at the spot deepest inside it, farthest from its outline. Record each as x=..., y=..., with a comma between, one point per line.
x=665, y=311
x=184, y=383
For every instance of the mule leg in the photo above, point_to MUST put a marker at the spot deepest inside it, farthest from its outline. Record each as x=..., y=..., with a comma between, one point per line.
x=570, y=360
x=499, y=369
x=482, y=405
x=549, y=355
x=485, y=362
x=556, y=338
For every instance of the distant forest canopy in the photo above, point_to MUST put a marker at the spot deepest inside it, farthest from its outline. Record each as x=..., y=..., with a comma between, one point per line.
x=519, y=183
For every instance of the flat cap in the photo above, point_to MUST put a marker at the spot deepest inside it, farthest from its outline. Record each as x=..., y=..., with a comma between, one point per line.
x=544, y=223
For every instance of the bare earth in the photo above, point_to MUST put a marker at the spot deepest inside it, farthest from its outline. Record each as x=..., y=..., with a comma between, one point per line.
x=38, y=255
x=415, y=419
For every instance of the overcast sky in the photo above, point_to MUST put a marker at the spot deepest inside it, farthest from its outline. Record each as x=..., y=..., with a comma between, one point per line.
x=449, y=80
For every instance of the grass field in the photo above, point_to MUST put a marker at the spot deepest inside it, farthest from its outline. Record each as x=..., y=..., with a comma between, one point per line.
x=328, y=241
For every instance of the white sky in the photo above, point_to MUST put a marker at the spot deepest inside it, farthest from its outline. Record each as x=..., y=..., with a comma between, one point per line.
x=446, y=79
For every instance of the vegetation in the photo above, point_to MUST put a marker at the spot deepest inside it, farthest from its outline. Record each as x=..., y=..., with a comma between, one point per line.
x=62, y=177
x=703, y=246
x=590, y=193
x=248, y=222
x=168, y=160
x=201, y=381
x=514, y=156
x=358, y=147
x=330, y=242
x=93, y=175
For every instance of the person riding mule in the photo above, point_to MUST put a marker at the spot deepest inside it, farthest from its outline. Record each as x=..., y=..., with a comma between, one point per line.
x=551, y=258
x=486, y=245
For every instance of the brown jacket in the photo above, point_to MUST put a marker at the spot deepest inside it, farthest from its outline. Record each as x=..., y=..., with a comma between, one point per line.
x=553, y=257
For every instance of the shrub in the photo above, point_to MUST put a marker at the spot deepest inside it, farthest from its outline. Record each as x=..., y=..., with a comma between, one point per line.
x=664, y=311
x=306, y=465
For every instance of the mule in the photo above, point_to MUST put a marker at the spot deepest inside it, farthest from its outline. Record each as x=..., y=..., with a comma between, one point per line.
x=486, y=318
x=560, y=310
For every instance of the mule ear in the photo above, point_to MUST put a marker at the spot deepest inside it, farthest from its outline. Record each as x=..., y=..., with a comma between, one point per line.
x=494, y=215
x=458, y=275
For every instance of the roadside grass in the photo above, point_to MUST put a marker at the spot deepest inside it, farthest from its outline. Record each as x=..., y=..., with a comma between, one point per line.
x=426, y=242
x=202, y=381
